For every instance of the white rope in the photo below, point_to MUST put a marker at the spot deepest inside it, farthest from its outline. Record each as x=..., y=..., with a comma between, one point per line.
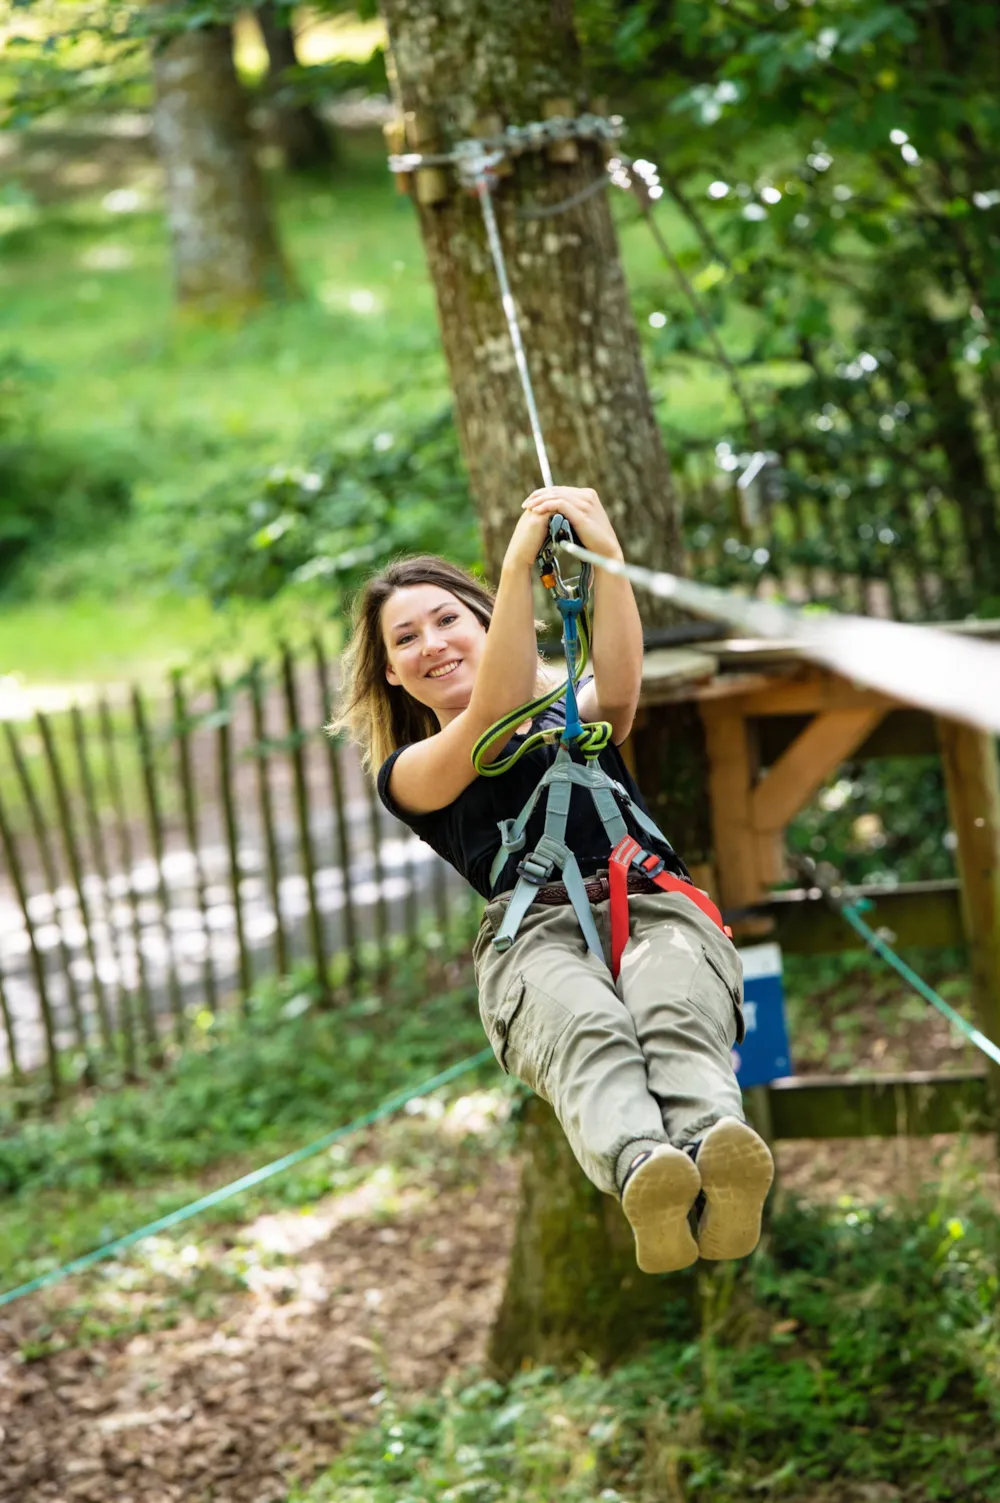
x=483, y=182
x=936, y=670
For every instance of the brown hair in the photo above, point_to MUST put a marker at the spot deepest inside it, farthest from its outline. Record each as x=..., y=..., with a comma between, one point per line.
x=379, y=716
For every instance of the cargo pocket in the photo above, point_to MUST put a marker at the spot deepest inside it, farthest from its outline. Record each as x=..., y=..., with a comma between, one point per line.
x=524, y=1032
x=735, y=992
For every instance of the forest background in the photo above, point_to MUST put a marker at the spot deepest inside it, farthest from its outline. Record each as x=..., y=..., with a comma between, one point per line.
x=189, y=471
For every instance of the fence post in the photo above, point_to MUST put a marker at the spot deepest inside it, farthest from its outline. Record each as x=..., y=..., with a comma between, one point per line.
x=378, y=876
x=266, y=805
x=123, y=1007
x=972, y=778
x=223, y=706
x=343, y=834
x=155, y=818
x=116, y=791
x=9, y=1032
x=296, y=750
x=189, y=796
x=76, y=872
x=14, y=867
x=52, y=880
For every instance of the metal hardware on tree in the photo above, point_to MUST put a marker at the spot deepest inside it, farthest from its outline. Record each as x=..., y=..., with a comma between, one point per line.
x=513, y=141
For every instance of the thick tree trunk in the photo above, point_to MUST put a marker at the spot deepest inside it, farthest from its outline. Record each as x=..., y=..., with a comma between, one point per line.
x=572, y=1287
x=306, y=141
x=226, y=255
x=463, y=64
x=465, y=67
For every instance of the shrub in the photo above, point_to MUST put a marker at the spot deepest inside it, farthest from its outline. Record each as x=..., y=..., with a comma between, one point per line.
x=55, y=492
x=328, y=521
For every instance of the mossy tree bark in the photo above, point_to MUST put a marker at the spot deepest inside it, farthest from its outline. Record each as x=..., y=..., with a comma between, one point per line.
x=462, y=68
x=304, y=139
x=468, y=65
x=226, y=256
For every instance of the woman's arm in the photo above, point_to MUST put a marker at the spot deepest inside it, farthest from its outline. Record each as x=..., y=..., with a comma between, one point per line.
x=616, y=655
x=616, y=645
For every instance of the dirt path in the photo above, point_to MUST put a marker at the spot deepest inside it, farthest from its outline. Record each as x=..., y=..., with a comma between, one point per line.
x=235, y=1405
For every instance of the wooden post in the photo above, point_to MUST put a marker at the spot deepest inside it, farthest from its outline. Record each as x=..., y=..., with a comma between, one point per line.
x=189, y=800
x=296, y=750
x=266, y=806
x=64, y=811
x=48, y=866
x=126, y=862
x=154, y=819
x=224, y=711
x=972, y=779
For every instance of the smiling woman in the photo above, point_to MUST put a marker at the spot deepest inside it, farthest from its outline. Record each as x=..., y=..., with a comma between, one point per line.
x=623, y=1020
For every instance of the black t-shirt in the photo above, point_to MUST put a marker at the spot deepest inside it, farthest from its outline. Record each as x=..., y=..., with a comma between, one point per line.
x=465, y=832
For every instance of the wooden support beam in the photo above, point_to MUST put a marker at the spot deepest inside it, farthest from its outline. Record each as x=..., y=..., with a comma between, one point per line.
x=888, y=1106
x=901, y=733
x=972, y=778
x=730, y=779
x=800, y=772
x=915, y=913
x=811, y=694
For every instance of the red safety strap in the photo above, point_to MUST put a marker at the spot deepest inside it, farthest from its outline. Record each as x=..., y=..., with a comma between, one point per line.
x=622, y=858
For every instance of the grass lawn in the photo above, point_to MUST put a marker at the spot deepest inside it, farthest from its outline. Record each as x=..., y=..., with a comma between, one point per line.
x=85, y=297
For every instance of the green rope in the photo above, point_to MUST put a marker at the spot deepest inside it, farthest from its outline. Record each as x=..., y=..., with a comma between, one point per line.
x=77, y=1265
x=502, y=728
x=852, y=913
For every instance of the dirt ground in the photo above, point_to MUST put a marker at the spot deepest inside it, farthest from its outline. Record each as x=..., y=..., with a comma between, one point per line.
x=367, y=1298
x=237, y=1405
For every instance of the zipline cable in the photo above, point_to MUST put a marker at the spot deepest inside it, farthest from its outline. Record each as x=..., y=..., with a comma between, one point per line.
x=256, y=1177
x=918, y=665
x=852, y=913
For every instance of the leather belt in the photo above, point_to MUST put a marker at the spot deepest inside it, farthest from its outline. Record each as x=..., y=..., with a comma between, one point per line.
x=596, y=888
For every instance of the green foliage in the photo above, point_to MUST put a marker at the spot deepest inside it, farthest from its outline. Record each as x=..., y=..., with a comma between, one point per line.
x=54, y=491
x=288, y=1072
x=859, y=1348
x=880, y=821
x=836, y=163
x=378, y=493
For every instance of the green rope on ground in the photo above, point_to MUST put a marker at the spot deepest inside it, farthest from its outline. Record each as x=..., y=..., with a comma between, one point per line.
x=852, y=913
x=226, y=1192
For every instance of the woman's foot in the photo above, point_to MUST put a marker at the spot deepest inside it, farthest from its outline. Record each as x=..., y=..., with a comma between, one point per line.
x=660, y=1189
x=736, y=1172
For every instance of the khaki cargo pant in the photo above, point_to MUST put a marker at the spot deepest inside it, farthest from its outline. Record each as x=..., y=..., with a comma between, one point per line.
x=625, y=1065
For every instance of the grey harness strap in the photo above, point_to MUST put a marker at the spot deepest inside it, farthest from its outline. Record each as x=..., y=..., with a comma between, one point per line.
x=552, y=853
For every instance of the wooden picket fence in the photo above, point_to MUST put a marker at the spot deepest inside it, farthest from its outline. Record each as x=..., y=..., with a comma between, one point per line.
x=160, y=857
x=899, y=552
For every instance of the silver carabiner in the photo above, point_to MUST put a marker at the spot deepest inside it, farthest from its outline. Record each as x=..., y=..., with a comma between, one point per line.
x=560, y=531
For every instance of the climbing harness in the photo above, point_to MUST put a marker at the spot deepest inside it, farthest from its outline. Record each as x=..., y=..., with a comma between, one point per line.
x=552, y=852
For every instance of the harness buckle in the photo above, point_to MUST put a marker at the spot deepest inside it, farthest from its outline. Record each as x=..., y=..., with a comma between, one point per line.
x=642, y=857
x=535, y=871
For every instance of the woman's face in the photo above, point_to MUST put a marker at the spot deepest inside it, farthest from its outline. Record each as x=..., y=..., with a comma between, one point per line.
x=433, y=643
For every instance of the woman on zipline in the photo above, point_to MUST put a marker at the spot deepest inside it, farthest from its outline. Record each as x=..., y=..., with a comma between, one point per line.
x=638, y=1068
